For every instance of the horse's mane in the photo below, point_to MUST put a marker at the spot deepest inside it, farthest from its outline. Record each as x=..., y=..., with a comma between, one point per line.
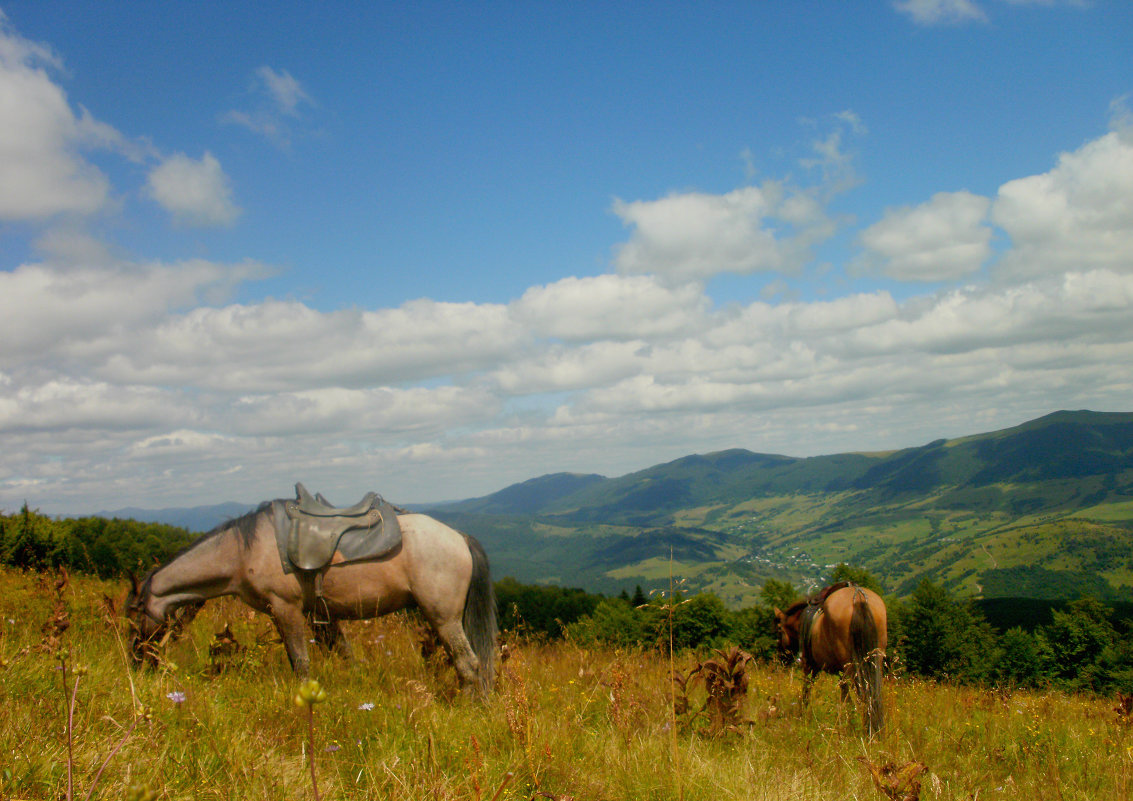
x=795, y=608
x=245, y=526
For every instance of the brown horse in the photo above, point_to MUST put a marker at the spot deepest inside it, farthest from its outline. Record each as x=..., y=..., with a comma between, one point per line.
x=841, y=630
x=437, y=569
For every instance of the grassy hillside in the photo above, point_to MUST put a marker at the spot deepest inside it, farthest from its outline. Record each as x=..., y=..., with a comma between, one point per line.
x=565, y=722
x=1043, y=509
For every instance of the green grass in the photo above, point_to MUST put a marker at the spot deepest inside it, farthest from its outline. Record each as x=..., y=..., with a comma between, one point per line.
x=565, y=722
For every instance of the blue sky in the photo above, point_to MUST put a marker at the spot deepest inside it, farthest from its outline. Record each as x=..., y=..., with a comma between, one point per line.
x=433, y=249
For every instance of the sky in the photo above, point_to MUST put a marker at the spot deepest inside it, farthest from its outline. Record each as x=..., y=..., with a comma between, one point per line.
x=434, y=249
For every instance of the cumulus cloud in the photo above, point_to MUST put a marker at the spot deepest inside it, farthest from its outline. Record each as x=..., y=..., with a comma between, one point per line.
x=941, y=240
x=64, y=404
x=422, y=411
x=693, y=236
x=195, y=192
x=79, y=313
x=608, y=306
x=42, y=171
x=1077, y=216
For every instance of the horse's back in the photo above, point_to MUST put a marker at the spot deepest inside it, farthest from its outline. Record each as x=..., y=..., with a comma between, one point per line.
x=832, y=634
x=437, y=560
x=840, y=607
x=427, y=539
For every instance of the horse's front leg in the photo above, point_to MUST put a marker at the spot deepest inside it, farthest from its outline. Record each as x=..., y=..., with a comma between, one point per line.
x=292, y=627
x=330, y=636
x=809, y=677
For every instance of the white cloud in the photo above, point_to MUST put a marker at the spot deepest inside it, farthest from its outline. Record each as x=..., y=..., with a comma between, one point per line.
x=694, y=236
x=830, y=156
x=276, y=99
x=940, y=12
x=196, y=193
x=941, y=240
x=58, y=316
x=608, y=306
x=1077, y=216
x=560, y=368
x=284, y=90
x=421, y=411
x=42, y=172
x=63, y=404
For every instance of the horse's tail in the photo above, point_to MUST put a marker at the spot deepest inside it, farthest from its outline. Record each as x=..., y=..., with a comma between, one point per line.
x=867, y=658
x=480, y=615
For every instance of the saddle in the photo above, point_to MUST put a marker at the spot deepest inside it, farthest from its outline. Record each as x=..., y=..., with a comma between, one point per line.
x=312, y=534
x=317, y=527
x=819, y=598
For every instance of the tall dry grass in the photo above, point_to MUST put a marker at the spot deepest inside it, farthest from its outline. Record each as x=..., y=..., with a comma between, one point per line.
x=565, y=723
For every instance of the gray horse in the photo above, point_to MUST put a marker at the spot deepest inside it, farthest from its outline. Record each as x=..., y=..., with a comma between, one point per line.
x=438, y=569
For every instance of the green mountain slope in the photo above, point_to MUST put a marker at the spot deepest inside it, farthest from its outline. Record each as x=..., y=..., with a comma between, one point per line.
x=1042, y=509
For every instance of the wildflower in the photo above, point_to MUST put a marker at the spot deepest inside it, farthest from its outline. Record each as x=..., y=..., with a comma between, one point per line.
x=366, y=707
x=330, y=749
x=310, y=693
x=138, y=792
x=176, y=697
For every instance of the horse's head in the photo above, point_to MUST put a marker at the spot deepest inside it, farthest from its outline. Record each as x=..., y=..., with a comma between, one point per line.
x=788, y=625
x=147, y=630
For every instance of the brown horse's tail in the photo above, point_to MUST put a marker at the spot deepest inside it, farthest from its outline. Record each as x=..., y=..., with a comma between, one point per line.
x=867, y=658
x=480, y=615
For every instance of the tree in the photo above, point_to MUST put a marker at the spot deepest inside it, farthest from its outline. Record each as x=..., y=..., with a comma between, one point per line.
x=1074, y=642
x=611, y=623
x=702, y=620
x=26, y=540
x=1020, y=661
x=857, y=575
x=777, y=594
x=946, y=638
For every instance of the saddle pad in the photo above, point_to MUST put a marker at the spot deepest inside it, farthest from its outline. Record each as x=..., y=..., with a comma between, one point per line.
x=355, y=545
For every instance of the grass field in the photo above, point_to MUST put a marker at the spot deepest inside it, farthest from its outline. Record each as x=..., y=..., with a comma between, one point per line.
x=564, y=723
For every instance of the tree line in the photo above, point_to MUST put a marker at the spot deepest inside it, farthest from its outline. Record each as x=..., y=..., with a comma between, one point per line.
x=932, y=633
x=105, y=548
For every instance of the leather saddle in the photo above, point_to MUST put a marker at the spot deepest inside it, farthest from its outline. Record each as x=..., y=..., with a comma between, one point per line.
x=317, y=526
x=312, y=534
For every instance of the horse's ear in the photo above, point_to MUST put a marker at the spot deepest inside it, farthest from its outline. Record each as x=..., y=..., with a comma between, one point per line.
x=778, y=613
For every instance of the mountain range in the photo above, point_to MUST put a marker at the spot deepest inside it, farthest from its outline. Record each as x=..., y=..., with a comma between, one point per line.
x=1041, y=510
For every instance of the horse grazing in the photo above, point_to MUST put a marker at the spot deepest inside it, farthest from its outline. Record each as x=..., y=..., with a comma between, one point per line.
x=841, y=630
x=436, y=568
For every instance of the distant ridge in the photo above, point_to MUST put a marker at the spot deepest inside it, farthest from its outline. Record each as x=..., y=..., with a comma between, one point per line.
x=195, y=518
x=1043, y=508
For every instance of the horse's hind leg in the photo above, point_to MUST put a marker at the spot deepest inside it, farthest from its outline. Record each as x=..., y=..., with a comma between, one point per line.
x=464, y=658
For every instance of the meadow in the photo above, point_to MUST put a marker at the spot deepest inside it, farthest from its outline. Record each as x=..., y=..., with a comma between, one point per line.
x=217, y=719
